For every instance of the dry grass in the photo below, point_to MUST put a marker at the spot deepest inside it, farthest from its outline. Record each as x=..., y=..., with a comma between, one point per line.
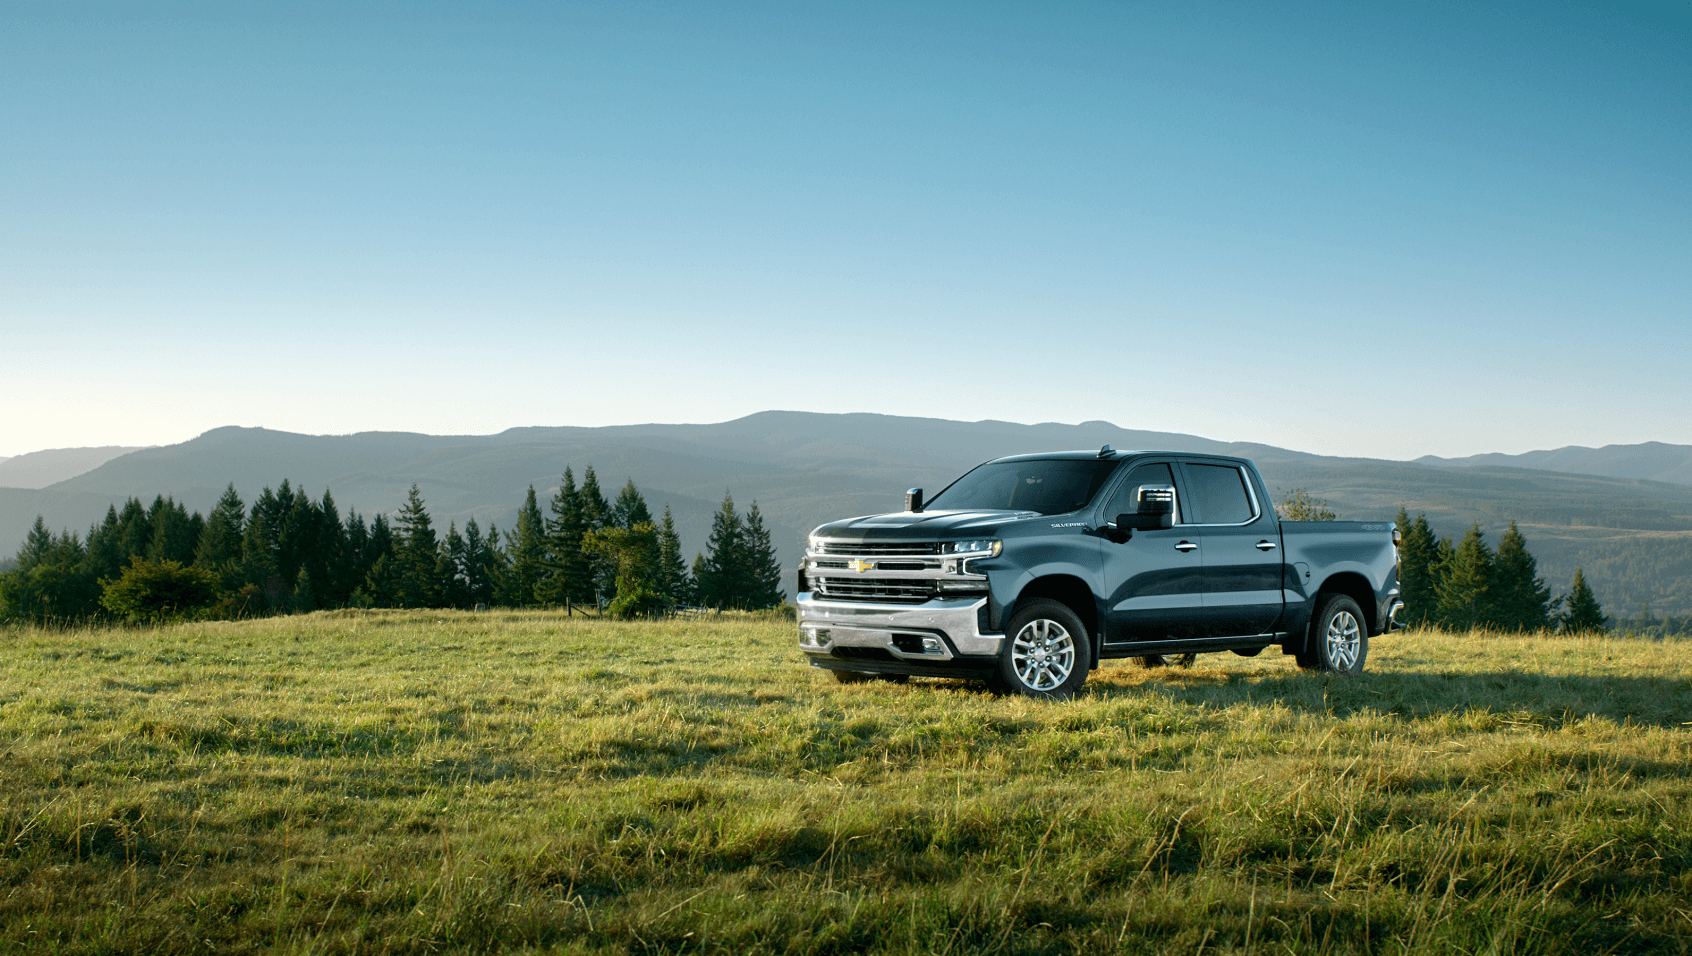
x=422, y=782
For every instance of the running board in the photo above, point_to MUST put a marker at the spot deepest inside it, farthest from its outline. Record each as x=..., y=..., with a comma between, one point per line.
x=1198, y=645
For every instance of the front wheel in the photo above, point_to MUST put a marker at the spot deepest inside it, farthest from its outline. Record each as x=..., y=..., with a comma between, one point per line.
x=1339, y=639
x=1046, y=651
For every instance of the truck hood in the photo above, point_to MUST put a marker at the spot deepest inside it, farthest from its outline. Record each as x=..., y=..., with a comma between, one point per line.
x=906, y=526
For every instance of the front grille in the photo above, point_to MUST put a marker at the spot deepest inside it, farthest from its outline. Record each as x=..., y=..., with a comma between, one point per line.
x=881, y=548
x=891, y=590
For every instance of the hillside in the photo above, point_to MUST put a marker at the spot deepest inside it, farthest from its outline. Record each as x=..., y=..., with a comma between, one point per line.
x=1652, y=461
x=39, y=469
x=1634, y=537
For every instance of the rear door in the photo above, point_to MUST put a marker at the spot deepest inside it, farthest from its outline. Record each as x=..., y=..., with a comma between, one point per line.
x=1240, y=542
x=1152, y=582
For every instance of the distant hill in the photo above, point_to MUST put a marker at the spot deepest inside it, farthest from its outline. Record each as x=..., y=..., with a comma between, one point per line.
x=1634, y=537
x=1651, y=461
x=38, y=469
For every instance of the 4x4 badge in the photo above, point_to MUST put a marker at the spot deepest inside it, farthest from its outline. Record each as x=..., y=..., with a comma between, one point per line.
x=860, y=565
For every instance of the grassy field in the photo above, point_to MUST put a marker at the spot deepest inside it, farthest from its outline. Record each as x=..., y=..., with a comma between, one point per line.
x=427, y=782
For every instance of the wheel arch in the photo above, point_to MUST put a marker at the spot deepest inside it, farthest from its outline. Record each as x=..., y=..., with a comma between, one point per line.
x=1354, y=586
x=1073, y=593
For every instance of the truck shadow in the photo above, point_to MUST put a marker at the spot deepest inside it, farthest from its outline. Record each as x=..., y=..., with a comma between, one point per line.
x=1508, y=694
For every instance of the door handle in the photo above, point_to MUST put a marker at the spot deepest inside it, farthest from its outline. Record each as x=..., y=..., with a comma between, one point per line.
x=1265, y=545
x=1186, y=546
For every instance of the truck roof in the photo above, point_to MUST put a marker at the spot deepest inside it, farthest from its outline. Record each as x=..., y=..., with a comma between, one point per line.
x=1115, y=455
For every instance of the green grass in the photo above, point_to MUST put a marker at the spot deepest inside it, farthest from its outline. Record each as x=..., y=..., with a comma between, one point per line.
x=435, y=781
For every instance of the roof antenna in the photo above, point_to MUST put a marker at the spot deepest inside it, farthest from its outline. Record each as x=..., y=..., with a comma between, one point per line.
x=1106, y=451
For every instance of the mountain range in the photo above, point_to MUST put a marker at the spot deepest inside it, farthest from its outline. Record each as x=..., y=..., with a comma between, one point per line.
x=1651, y=461
x=38, y=469
x=1622, y=520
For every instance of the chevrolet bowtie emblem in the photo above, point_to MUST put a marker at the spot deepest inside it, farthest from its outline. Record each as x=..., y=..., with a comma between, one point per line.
x=860, y=565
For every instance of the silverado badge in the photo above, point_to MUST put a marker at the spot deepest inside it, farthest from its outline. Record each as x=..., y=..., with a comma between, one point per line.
x=860, y=565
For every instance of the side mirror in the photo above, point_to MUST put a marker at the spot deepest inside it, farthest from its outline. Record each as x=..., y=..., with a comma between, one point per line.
x=913, y=500
x=1145, y=522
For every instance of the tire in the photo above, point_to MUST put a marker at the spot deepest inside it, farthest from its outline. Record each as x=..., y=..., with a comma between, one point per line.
x=1339, y=638
x=1046, y=651
x=1170, y=660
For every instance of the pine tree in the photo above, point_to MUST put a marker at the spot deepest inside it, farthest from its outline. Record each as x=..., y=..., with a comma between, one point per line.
x=567, y=575
x=258, y=558
x=527, y=547
x=630, y=508
x=487, y=568
x=722, y=581
x=1582, y=613
x=673, y=580
x=175, y=534
x=455, y=567
x=357, y=537
x=220, y=542
x=37, y=547
x=417, y=566
x=762, y=569
x=596, y=514
x=1418, y=563
x=105, y=557
x=134, y=531
x=1519, y=598
x=332, y=565
x=305, y=597
x=1463, y=599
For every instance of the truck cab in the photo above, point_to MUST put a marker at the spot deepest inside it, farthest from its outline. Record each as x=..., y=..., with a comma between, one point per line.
x=1028, y=571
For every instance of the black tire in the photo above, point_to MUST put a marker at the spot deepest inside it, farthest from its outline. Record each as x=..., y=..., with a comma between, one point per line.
x=1339, y=638
x=1046, y=652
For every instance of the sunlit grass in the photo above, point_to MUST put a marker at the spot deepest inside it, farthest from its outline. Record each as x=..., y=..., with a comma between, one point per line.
x=428, y=781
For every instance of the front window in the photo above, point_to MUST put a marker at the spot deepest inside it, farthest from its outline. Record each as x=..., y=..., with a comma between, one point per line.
x=1049, y=486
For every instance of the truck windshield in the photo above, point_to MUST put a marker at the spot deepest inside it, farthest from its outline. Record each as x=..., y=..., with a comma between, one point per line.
x=1050, y=486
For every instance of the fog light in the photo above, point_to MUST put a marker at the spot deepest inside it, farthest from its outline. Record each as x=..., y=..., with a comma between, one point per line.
x=932, y=645
x=813, y=637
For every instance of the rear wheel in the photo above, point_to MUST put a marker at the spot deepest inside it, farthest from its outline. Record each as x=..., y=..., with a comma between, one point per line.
x=1045, y=651
x=1339, y=638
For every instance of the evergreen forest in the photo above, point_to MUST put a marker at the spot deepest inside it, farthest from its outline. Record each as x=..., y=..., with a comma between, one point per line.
x=288, y=552
x=1470, y=584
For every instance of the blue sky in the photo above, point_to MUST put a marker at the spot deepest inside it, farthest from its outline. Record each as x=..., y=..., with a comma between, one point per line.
x=1362, y=229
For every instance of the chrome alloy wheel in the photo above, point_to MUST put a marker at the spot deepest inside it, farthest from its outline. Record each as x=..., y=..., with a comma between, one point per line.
x=1344, y=638
x=1043, y=654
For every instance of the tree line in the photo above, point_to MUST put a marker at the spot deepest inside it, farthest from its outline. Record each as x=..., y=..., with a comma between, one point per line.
x=289, y=552
x=1470, y=584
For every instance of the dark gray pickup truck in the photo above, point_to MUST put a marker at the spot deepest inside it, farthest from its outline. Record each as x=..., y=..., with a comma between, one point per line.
x=1030, y=570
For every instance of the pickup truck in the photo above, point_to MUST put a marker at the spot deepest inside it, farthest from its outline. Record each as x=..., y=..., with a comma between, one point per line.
x=1029, y=571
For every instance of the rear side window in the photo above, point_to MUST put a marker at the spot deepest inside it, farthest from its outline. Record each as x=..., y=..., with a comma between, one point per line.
x=1218, y=494
x=1126, y=500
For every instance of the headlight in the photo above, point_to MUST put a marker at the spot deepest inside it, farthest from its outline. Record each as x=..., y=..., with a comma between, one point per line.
x=973, y=547
x=814, y=545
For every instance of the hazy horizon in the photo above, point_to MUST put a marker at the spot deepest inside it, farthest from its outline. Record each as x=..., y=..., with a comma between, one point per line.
x=1377, y=232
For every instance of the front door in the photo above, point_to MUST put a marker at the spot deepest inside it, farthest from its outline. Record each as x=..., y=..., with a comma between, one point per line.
x=1240, y=540
x=1153, y=581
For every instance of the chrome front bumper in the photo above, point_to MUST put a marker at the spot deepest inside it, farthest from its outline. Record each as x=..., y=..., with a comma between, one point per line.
x=826, y=625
